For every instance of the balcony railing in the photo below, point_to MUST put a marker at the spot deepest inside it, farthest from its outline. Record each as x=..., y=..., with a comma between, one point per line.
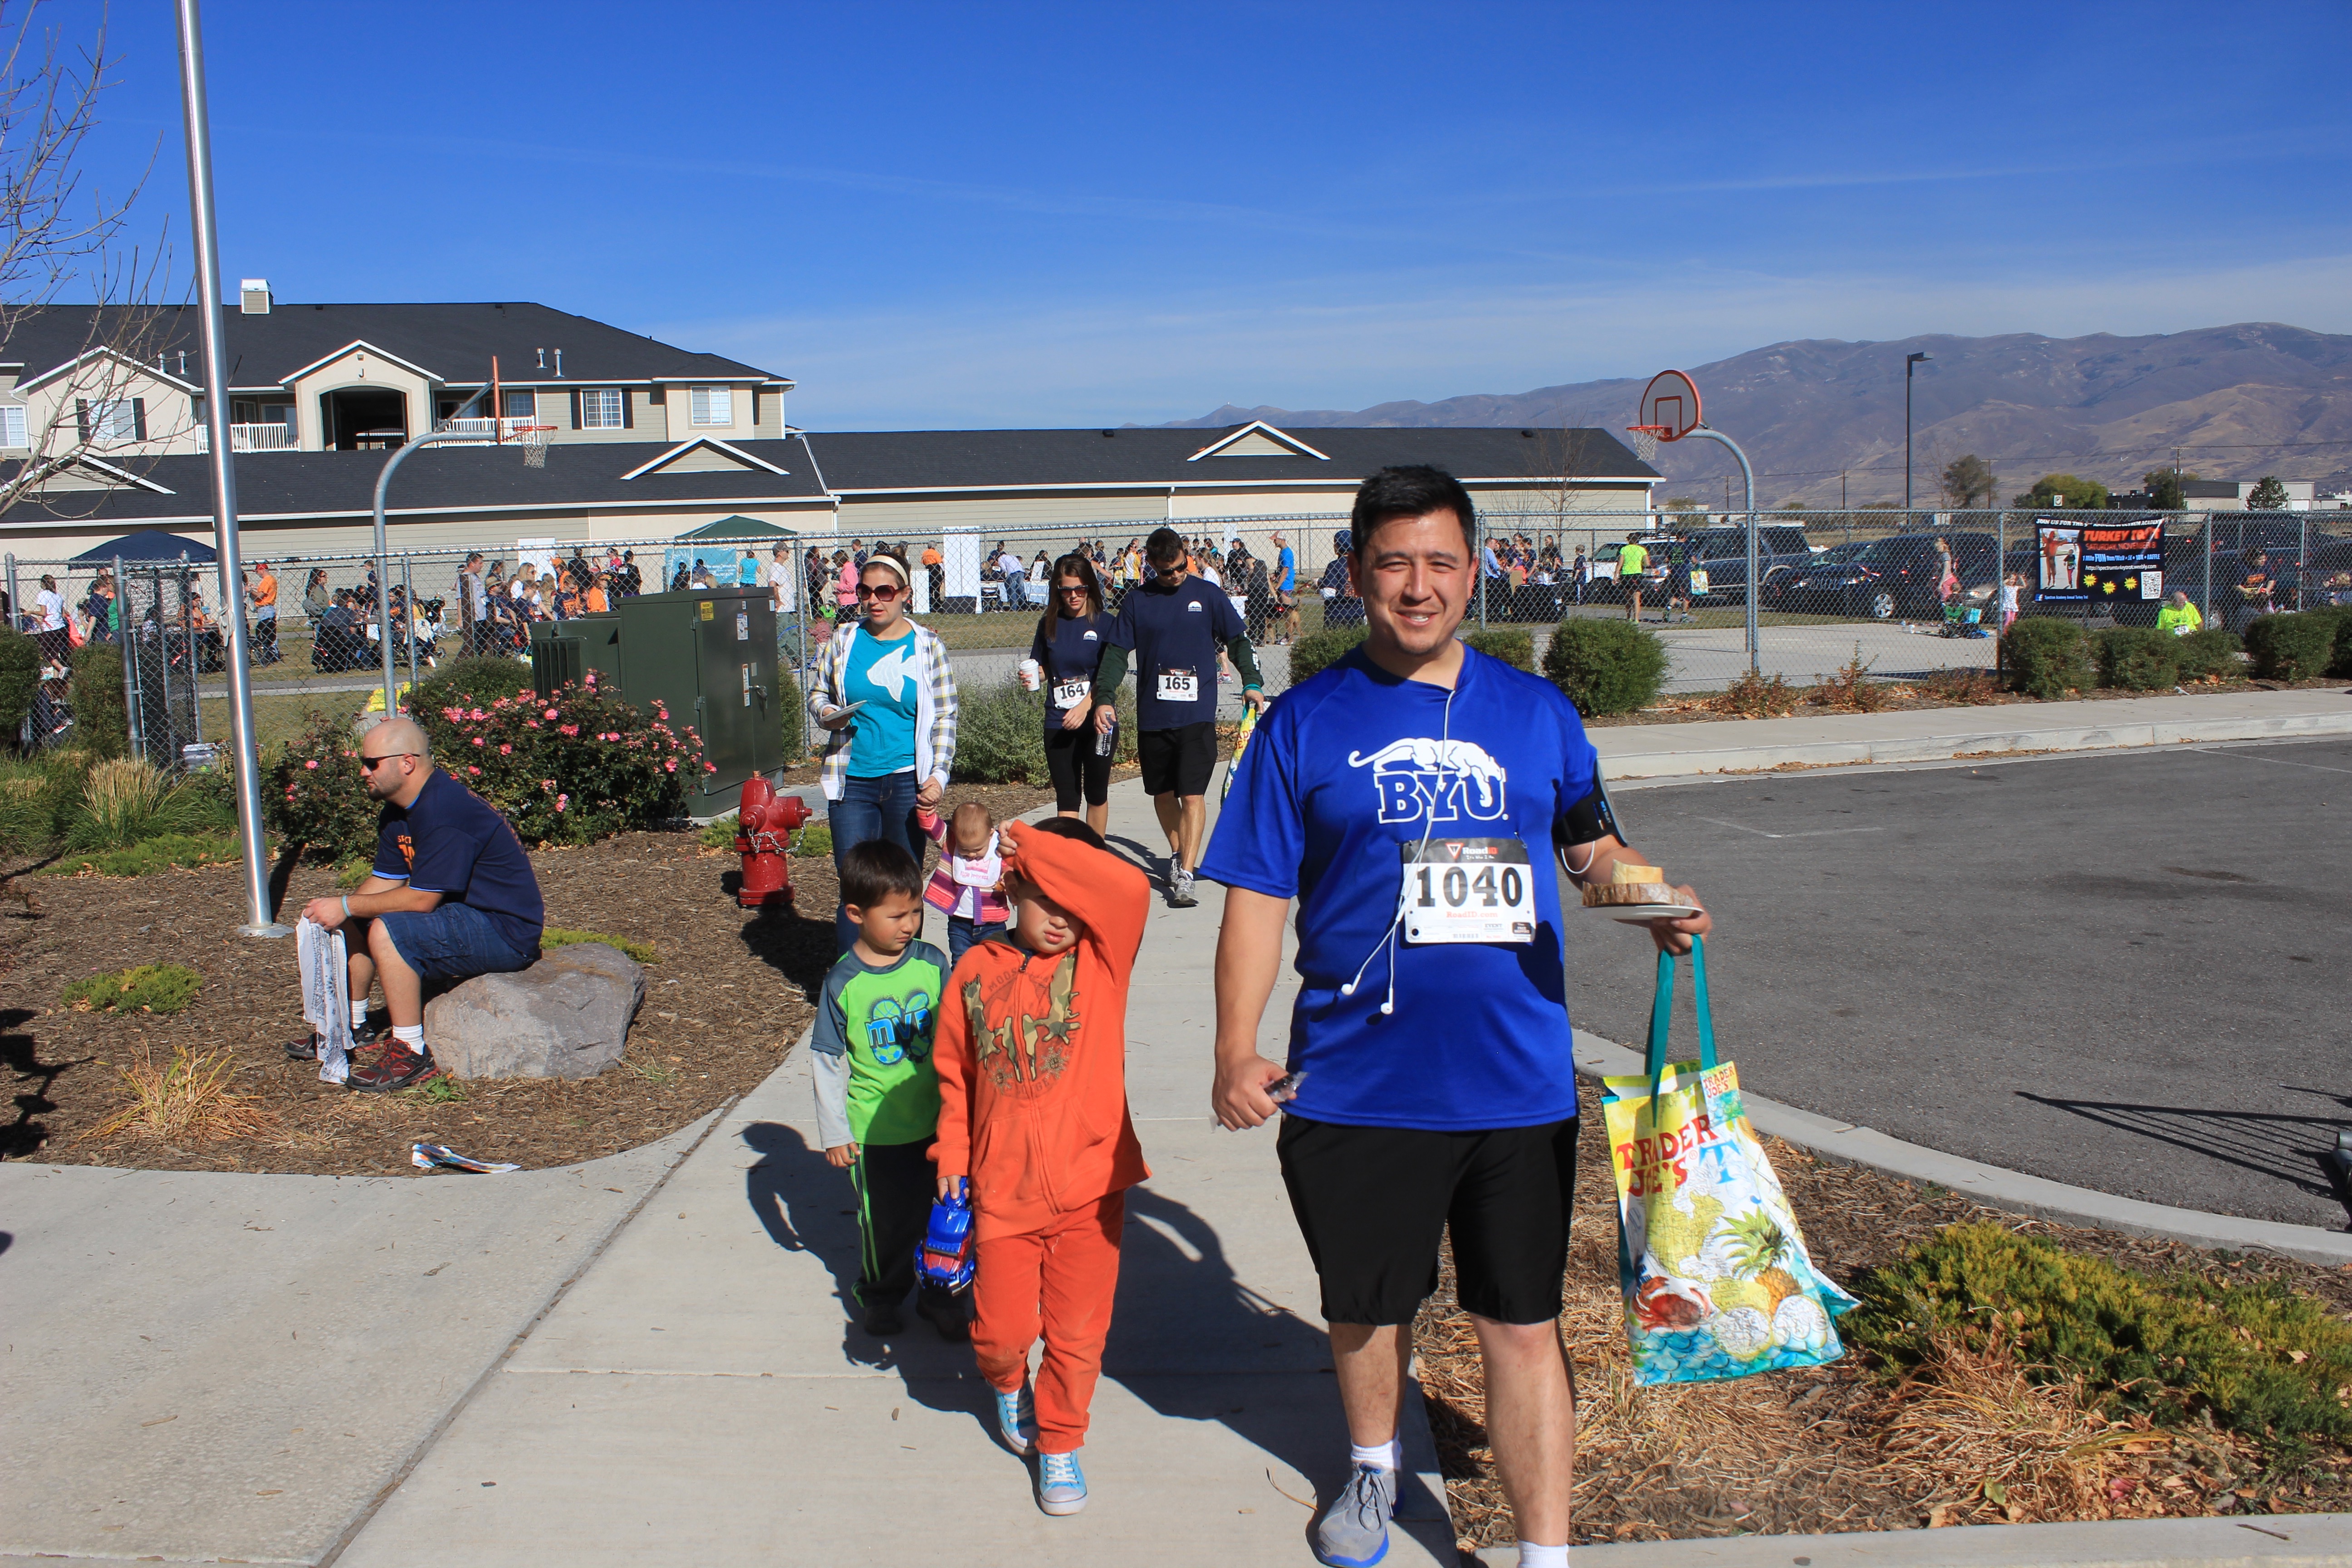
x=485, y=429
x=251, y=439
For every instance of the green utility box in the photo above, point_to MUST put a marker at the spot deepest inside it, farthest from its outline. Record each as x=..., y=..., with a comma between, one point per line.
x=710, y=656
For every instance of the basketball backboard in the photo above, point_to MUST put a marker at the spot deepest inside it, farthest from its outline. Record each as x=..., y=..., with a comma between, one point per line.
x=1670, y=405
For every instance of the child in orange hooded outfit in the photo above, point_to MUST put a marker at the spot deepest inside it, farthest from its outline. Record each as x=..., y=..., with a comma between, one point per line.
x=1031, y=1058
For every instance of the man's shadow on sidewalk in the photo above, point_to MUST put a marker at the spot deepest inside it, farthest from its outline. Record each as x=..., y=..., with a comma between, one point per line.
x=1188, y=1338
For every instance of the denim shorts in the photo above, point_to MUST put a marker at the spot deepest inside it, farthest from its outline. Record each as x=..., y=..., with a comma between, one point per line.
x=453, y=941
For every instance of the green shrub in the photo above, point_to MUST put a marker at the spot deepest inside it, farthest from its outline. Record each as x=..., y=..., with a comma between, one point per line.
x=38, y=797
x=792, y=716
x=1514, y=646
x=481, y=682
x=1318, y=651
x=2138, y=658
x=2260, y=1358
x=20, y=677
x=2043, y=656
x=718, y=833
x=1606, y=666
x=161, y=853
x=124, y=801
x=311, y=793
x=2341, y=663
x=564, y=936
x=101, y=723
x=813, y=842
x=2210, y=652
x=2293, y=646
x=1001, y=736
x=141, y=988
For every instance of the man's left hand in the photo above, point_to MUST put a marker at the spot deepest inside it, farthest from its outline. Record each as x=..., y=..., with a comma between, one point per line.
x=1256, y=699
x=328, y=912
x=1674, y=936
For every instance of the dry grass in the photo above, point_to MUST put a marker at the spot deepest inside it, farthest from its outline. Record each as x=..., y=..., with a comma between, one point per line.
x=1994, y=1446
x=1753, y=696
x=188, y=1100
x=1851, y=689
x=1961, y=687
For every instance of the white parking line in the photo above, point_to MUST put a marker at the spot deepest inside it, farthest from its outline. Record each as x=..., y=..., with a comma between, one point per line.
x=1817, y=833
x=2283, y=762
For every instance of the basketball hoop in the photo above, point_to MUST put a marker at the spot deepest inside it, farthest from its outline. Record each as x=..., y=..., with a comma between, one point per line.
x=1670, y=411
x=533, y=439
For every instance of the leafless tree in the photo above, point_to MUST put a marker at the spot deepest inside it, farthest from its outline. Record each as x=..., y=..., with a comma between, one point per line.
x=61, y=246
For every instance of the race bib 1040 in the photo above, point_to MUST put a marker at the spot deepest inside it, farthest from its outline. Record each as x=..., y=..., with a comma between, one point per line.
x=1468, y=889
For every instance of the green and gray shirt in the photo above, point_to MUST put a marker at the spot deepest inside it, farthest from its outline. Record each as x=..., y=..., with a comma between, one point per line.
x=871, y=1049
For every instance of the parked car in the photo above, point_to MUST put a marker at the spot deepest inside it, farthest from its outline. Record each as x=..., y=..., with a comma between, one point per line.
x=1722, y=554
x=1887, y=578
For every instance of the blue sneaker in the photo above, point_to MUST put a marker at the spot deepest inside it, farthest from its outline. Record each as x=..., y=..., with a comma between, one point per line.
x=1016, y=1421
x=1061, y=1485
x=1354, y=1531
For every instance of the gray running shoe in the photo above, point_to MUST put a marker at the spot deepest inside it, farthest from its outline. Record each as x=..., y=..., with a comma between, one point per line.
x=1354, y=1531
x=1180, y=891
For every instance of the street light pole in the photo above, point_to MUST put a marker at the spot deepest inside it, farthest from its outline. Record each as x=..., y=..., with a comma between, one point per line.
x=247, y=764
x=382, y=557
x=1910, y=362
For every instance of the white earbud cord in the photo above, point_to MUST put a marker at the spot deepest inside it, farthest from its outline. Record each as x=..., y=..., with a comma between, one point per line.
x=1404, y=892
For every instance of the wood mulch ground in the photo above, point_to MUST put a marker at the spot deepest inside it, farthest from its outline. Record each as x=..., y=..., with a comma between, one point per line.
x=731, y=992
x=1837, y=1447
x=1913, y=695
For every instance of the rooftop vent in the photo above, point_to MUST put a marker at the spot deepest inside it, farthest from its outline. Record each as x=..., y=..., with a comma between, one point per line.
x=253, y=296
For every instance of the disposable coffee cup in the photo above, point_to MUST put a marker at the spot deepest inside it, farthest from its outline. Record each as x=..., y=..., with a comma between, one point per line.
x=1032, y=675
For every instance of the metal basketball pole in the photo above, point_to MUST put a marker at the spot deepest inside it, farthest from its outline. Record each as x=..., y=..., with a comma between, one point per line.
x=247, y=763
x=1748, y=474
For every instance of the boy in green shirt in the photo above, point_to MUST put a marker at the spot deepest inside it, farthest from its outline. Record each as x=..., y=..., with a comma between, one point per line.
x=878, y=1094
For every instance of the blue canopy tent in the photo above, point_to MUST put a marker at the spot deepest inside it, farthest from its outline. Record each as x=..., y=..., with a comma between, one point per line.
x=737, y=532
x=146, y=545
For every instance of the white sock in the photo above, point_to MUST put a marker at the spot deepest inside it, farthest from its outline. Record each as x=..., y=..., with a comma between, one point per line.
x=1534, y=1556
x=410, y=1035
x=1388, y=1455
x=359, y=1014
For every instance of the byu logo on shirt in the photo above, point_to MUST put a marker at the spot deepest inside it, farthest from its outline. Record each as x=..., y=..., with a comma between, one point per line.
x=1445, y=780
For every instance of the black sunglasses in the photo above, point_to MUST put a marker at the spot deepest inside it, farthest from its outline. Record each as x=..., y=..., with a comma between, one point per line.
x=368, y=763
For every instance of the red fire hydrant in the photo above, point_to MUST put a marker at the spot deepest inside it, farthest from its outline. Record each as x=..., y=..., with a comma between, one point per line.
x=763, y=820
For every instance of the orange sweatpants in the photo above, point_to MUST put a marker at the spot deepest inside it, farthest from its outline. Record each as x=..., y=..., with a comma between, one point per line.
x=1059, y=1281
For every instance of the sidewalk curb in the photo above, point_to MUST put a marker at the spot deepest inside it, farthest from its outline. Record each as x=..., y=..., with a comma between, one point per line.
x=2312, y=1541
x=1852, y=1143
x=1964, y=743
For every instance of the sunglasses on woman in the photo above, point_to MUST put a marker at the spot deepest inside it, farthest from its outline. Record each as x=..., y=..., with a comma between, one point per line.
x=881, y=592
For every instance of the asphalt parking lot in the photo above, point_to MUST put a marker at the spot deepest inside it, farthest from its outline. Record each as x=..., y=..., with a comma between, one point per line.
x=2126, y=971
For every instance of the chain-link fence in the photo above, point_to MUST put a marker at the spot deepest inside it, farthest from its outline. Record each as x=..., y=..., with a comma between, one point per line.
x=1906, y=594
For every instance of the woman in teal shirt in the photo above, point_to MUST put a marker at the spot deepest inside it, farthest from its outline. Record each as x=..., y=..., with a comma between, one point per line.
x=893, y=753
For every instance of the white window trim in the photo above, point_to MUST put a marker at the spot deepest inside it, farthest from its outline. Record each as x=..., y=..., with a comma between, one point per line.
x=706, y=403
x=15, y=427
x=593, y=405
x=117, y=411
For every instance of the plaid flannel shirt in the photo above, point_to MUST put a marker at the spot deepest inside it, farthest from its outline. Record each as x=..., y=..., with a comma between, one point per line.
x=935, y=707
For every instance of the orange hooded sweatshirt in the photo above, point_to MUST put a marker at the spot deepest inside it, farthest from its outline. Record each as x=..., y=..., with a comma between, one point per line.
x=1032, y=1051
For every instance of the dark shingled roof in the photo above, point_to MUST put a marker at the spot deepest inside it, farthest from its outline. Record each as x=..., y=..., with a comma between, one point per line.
x=454, y=342
x=975, y=459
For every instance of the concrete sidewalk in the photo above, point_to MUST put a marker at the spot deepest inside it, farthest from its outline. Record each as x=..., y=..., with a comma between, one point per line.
x=202, y=1365
x=1651, y=751
x=701, y=1397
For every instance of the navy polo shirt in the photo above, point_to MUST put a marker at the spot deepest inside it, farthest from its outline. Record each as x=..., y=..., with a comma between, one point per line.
x=1176, y=630
x=450, y=841
x=1073, y=653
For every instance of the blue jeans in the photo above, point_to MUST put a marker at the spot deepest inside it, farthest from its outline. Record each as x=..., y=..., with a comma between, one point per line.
x=965, y=933
x=880, y=808
x=455, y=941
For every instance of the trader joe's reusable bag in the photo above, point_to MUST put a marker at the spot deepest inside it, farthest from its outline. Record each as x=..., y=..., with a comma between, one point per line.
x=1717, y=1280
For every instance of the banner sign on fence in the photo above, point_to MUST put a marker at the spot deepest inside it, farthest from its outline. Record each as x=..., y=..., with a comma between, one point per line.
x=2083, y=564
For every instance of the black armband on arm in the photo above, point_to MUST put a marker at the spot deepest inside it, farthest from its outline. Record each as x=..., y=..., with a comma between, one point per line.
x=1591, y=818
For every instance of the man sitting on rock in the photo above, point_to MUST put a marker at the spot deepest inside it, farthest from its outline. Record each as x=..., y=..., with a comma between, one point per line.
x=452, y=895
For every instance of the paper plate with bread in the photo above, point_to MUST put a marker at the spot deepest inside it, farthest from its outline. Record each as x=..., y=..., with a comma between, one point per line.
x=1637, y=893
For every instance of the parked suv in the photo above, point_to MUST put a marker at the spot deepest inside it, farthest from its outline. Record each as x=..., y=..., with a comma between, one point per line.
x=1722, y=554
x=1887, y=578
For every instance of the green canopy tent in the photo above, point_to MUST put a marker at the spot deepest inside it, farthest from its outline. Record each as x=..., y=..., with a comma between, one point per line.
x=718, y=546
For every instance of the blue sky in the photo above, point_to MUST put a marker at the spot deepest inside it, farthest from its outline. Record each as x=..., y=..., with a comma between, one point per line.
x=1066, y=215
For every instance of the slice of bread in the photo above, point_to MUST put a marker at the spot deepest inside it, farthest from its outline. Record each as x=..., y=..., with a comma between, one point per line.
x=1630, y=885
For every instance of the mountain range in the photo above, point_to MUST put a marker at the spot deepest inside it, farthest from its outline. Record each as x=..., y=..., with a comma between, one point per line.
x=1821, y=420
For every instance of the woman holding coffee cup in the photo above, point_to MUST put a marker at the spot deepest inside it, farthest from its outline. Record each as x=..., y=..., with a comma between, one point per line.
x=1063, y=658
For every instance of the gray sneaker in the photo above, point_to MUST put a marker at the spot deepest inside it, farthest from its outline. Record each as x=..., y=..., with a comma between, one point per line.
x=1354, y=1531
x=1180, y=891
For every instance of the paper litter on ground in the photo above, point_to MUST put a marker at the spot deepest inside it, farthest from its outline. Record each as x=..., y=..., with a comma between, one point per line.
x=425, y=1156
x=326, y=1003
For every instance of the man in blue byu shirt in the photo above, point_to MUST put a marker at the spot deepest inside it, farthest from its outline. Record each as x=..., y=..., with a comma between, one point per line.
x=452, y=896
x=1410, y=796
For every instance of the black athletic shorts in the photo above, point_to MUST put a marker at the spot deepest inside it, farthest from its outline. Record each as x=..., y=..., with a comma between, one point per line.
x=1071, y=762
x=1373, y=1203
x=1181, y=760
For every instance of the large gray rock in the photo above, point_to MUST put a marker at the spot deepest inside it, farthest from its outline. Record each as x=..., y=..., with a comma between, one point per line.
x=565, y=1016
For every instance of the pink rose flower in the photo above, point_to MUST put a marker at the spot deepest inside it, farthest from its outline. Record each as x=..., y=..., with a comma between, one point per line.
x=671, y=765
x=551, y=712
x=472, y=770
x=478, y=740
x=562, y=802
x=311, y=766
x=505, y=750
x=571, y=728
x=478, y=713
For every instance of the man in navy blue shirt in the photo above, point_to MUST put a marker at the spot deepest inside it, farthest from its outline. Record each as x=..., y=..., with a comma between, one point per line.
x=1412, y=796
x=1174, y=624
x=452, y=896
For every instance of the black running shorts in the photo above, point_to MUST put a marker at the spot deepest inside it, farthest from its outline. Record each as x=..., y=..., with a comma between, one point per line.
x=1374, y=1202
x=1180, y=760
